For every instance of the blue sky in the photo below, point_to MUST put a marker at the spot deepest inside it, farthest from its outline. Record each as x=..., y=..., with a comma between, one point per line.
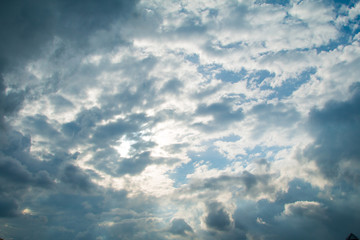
x=202, y=119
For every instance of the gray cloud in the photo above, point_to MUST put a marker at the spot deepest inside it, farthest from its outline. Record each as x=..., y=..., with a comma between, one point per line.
x=336, y=130
x=112, y=131
x=76, y=178
x=39, y=125
x=217, y=217
x=270, y=116
x=135, y=164
x=173, y=86
x=60, y=103
x=222, y=113
x=243, y=184
x=180, y=227
x=8, y=207
x=29, y=26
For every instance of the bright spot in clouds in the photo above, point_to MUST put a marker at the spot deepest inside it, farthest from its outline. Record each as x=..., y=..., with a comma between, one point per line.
x=202, y=119
x=27, y=211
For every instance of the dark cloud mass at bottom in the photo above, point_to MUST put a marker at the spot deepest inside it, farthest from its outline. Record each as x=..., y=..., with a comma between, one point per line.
x=111, y=112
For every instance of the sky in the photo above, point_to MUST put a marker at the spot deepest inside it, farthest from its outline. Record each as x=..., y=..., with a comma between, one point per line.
x=179, y=119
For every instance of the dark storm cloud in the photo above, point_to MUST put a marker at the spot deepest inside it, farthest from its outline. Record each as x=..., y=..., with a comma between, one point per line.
x=217, y=218
x=27, y=26
x=8, y=207
x=299, y=213
x=180, y=227
x=336, y=129
x=16, y=178
x=104, y=213
x=76, y=178
x=135, y=229
x=246, y=182
x=13, y=172
x=78, y=19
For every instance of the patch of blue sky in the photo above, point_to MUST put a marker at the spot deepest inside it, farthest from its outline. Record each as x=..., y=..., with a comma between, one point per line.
x=256, y=79
x=236, y=45
x=240, y=98
x=213, y=12
x=230, y=76
x=209, y=70
x=294, y=20
x=354, y=25
x=194, y=58
x=230, y=138
x=344, y=38
x=346, y=32
x=292, y=84
x=338, y=3
x=180, y=173
x=333, y=44
x=212, y=157
x=274, y=2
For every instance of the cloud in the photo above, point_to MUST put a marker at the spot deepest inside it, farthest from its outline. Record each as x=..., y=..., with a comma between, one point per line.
x=222, y=115
x=217, y=217
x=135, y=164
x=76, y=178
x=304, y=208
x=178, y=120
x=180, y=227
x=112, y=131
x=271, y=116
x=335, y=129
x=8, y=207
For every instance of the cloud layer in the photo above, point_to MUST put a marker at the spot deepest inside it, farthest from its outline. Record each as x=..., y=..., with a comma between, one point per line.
x=179, y=119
